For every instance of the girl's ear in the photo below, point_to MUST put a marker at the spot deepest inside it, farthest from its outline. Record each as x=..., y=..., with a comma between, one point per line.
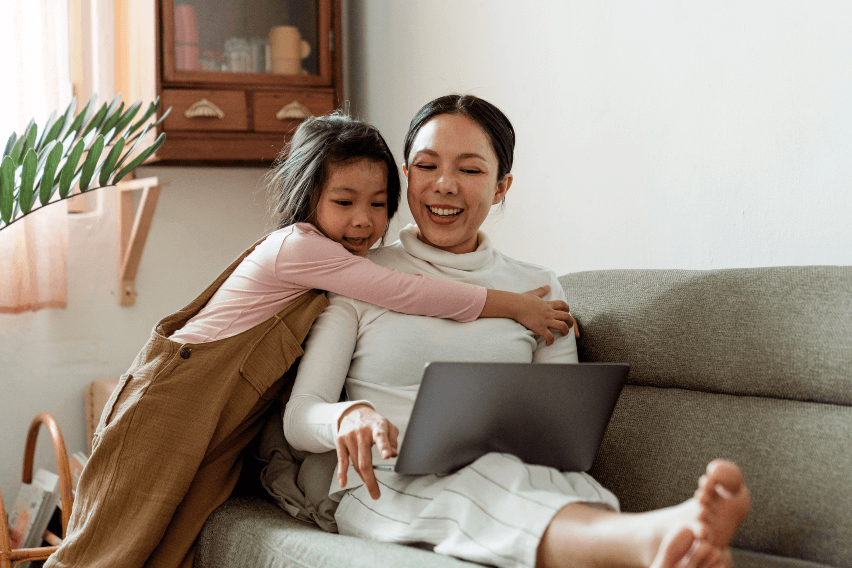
x=502, y=188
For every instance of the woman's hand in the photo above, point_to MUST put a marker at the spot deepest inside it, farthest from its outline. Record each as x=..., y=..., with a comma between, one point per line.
x=360, y=427
x=531, y=311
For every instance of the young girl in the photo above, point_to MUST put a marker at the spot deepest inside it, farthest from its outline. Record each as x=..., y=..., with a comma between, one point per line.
x=167, y=451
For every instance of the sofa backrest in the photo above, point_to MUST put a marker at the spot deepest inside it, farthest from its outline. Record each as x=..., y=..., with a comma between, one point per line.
x=753, y=365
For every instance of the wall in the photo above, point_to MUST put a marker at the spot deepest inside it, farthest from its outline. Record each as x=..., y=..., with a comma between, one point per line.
x=657, y=134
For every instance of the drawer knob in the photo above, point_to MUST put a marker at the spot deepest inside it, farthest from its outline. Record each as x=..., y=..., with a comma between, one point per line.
x=293, y=111
x=204, y=109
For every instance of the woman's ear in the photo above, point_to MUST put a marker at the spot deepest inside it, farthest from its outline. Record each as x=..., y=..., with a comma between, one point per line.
x=502, y=188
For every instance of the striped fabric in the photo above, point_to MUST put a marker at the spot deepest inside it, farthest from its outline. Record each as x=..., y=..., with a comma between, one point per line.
x=493, y=511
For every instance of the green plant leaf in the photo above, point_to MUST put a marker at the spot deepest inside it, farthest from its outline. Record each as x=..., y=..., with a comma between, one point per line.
x=152, y=108
x=91, y=162
x=48, y=125
x=112, y=114
x=67, y=119
x=29, y=138
x=43, y=154
x=108, y=135
x=17, y=149
x=70, y=168
x=157, y=123
x=127, y=117
x=96, y=120
x=7, y=188
x=162, y=118
x=89, y=138
x=108, y=166
x=138, y=139
x=28, y=172
x=140, y=158
x=10, y=144
x=81, y=118
x=54, y=132
x=48, y=177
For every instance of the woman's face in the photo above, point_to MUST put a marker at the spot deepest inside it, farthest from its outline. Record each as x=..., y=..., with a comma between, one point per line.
x=452, y=182
x=352, y=207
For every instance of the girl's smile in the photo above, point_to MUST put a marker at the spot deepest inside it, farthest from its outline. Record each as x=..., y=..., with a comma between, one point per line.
x=352, y=208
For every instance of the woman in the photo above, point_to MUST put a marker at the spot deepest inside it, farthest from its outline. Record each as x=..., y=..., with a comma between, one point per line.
x=498, y=510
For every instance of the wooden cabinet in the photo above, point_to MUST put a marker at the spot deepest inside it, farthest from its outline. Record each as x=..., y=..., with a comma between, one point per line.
x=240, y=75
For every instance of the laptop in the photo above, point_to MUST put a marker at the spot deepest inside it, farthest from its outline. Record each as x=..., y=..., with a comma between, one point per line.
x=546, y=414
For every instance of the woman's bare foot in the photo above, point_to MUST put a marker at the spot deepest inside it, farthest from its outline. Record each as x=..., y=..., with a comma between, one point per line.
x=682, y=549
x=724, y=500
x=694, y=534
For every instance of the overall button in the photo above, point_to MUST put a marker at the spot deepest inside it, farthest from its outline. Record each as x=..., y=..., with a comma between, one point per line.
x=185, y=352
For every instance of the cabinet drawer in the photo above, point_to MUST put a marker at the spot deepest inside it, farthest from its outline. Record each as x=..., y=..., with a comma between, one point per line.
x=205, y=110
x=281, y=111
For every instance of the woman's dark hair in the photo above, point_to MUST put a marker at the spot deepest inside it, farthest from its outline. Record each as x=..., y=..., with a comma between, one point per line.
x=490, y=118
x=300, y=171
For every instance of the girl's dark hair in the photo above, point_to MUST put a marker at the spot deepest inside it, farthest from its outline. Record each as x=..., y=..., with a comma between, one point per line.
x=490, y=118
x=300, y=171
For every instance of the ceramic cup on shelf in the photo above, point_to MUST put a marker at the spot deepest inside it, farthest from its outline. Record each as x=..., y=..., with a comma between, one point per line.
x=288, y=49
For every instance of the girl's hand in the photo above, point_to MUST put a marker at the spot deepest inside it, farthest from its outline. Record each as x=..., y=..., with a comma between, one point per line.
x=540, y=316
x=529, y=310
x=360, y=427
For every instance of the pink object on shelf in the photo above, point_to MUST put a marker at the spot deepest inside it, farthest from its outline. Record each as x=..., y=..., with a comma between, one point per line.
x=187, y=58
x=186, y=38
x=186, y=28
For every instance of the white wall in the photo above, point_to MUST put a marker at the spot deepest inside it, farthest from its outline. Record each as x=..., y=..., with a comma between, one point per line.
x=650, y=134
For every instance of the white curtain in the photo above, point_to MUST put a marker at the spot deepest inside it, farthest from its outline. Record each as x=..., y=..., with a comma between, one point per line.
x=35, y=70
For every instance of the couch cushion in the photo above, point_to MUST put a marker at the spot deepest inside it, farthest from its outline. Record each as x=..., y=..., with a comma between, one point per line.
x=781, y=331
x=794, y=456
x=754, y=365
x=249, y=531
x=747, y=559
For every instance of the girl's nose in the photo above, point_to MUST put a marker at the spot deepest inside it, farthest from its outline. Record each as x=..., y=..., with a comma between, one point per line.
x=361, y=218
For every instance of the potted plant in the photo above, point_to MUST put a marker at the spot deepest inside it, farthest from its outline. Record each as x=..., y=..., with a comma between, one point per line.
x=95, y=148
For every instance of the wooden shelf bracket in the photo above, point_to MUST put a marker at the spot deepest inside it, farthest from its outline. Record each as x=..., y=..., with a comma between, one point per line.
x=133, y=230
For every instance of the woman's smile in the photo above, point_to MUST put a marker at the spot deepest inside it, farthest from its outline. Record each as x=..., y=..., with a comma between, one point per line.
x=444, y=214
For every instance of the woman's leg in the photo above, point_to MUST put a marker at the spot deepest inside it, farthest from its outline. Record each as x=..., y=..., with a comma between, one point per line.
x=581, y=535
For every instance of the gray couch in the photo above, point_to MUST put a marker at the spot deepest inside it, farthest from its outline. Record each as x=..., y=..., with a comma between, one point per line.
x=754, y=365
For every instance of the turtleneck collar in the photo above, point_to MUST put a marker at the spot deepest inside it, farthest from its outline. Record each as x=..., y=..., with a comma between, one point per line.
x=481, y=258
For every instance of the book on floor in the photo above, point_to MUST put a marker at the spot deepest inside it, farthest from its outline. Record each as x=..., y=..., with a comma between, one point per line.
x=33, y=509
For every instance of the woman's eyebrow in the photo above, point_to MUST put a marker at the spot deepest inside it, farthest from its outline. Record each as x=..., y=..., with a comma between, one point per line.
x=471, y=155
x=463, y=156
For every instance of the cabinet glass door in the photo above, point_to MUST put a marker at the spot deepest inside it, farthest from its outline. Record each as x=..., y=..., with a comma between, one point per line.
x=280, y=41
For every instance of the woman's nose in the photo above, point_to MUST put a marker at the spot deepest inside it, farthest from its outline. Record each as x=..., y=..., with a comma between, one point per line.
x=446, y=183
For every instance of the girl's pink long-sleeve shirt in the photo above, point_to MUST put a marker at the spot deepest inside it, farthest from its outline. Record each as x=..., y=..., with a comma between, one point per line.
x=298, y=258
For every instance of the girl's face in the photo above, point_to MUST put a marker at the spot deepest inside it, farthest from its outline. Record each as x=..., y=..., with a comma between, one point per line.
x=352, y=207
x=452, y=182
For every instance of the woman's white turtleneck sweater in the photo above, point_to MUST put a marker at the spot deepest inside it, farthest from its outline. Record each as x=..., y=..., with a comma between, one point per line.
x=379, y=355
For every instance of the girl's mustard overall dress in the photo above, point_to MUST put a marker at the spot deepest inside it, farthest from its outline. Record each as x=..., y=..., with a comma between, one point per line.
x=167, y=450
